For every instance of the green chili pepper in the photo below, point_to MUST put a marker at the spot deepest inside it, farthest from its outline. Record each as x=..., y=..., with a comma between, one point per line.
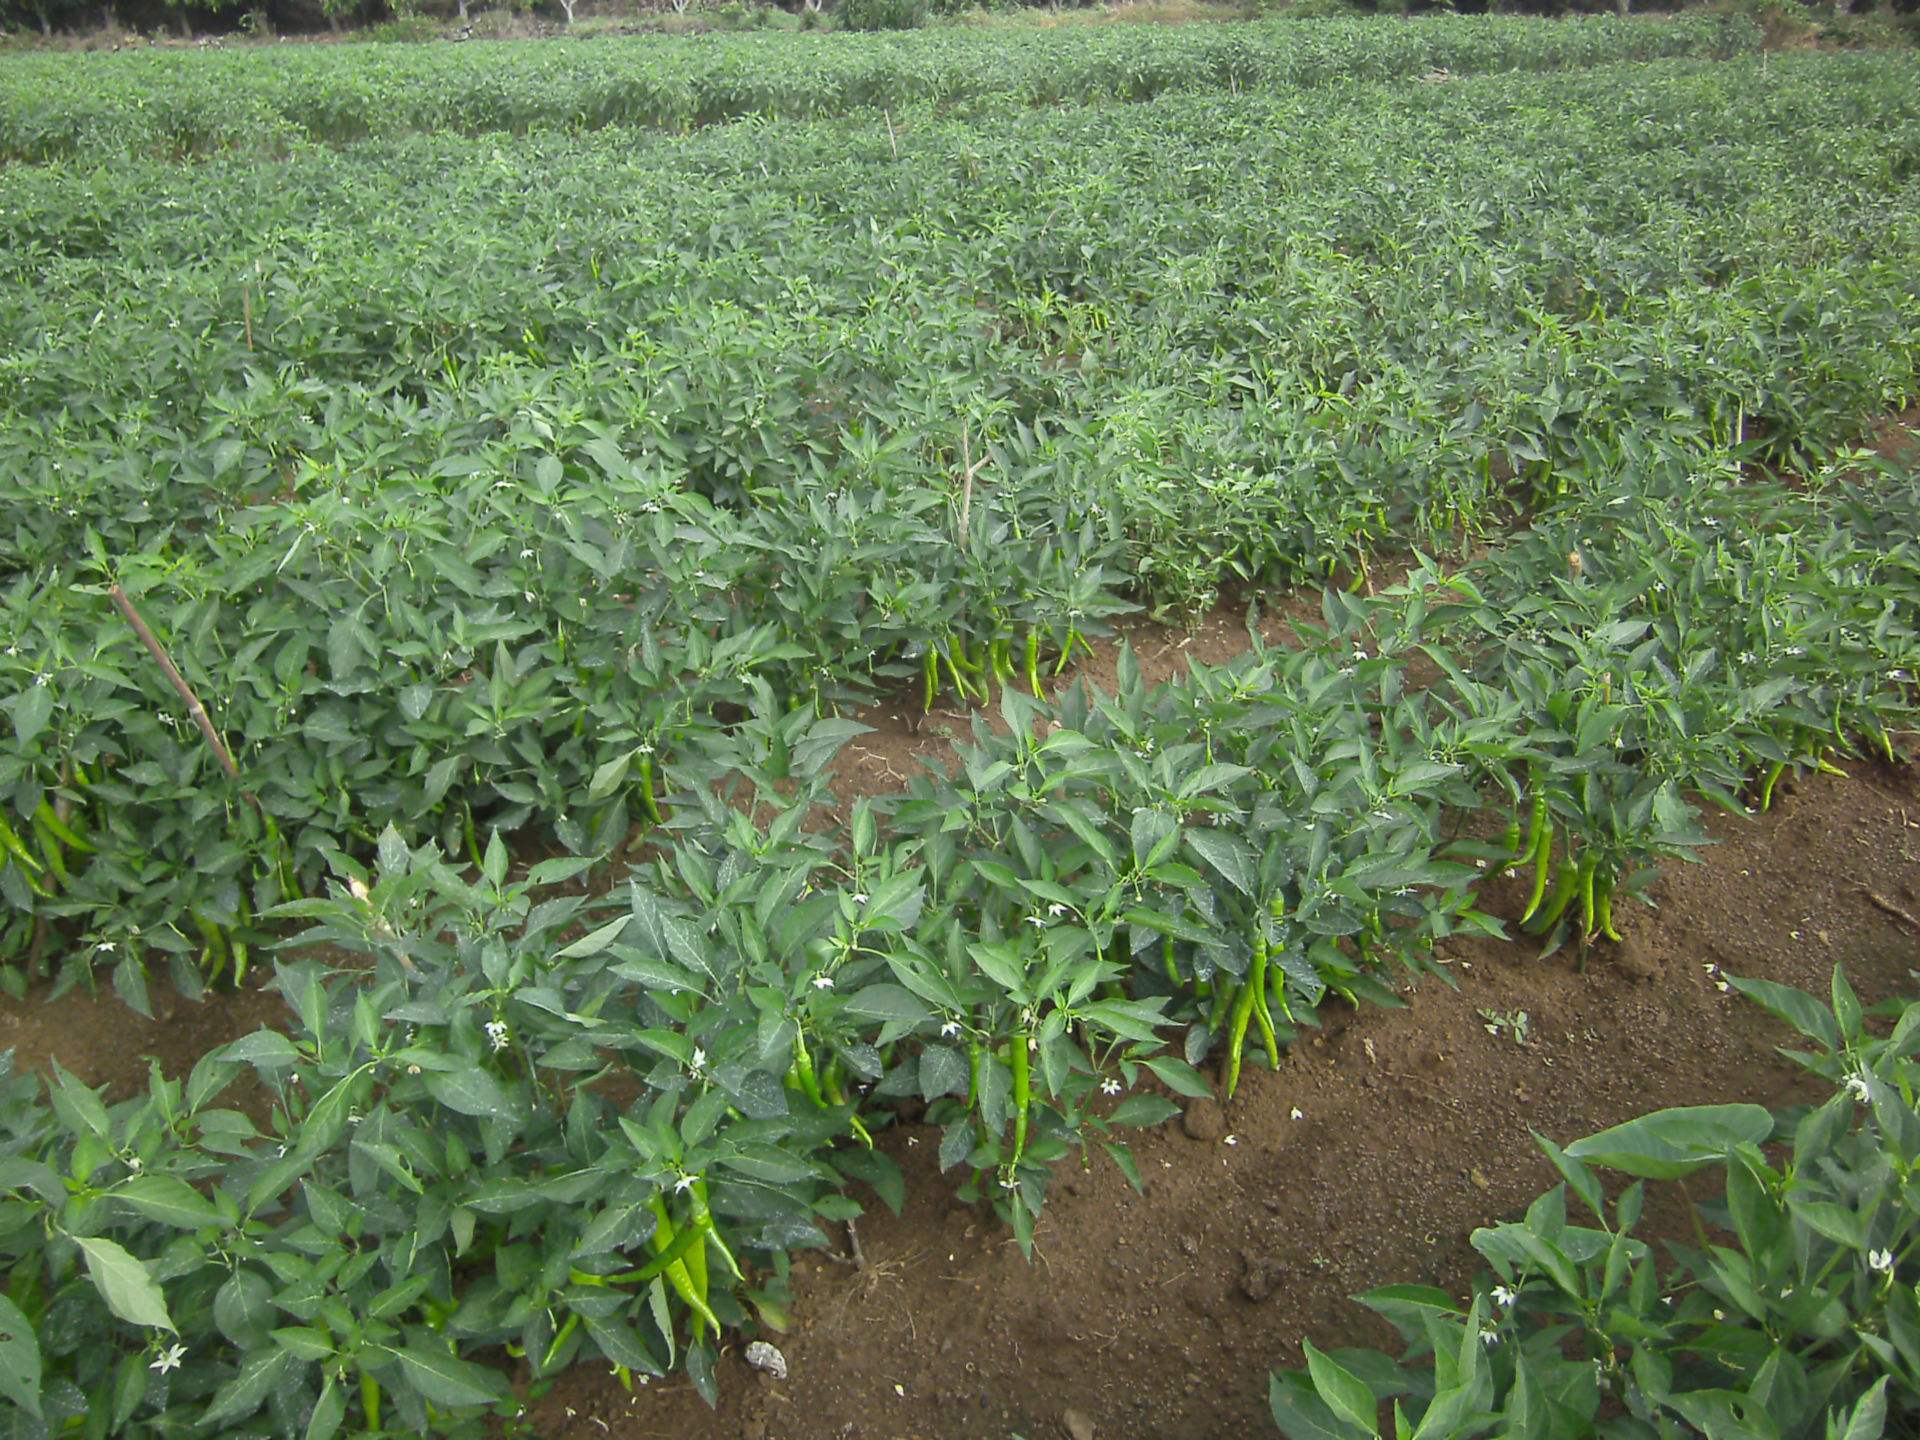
x=648, y=800
x=1257, y=983
x=678, y=1275
x=953, y=670
x=1542, y=856
x=803, y=1067
x=1033, y=663
x=1237, y=1032
x=1773, y=778
x=1066, y=651
x=50, y=849
x=11, y=843
x=553, y=1350
x=930, y=680
x=1564, y=889
x=67, y=835
x=1022, y=1094
x=1603, y=907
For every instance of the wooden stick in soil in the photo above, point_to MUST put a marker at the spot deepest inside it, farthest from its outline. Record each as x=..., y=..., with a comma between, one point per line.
x=969, y=467
x=1887, y=907
x=966, y=483
x=180, y=686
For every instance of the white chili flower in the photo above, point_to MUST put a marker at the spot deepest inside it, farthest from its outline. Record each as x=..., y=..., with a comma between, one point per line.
x=1490, y=1335
x=169, y=1359
x=1056, y=910
x=823, y=982
x=699, y=1061
x=1503, y=1297
x=859, y=898
x=1880, y=1261
x=1037, y=922
x=1859, y=1087
x=683, y=1184
x=1746, y=657
x=497, y=1034
x=1297, y=1113
x=1899, y=676
x=105, y=947
x=1795, y=650
x=1109, y=1086
x=950, y=1029
x=133, y=1163
x=526, y=554
x=413, y=1069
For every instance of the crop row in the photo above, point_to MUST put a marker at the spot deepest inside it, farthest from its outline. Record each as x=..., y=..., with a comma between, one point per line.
x=583, y=1128
x=461, y=514
x=174, y=105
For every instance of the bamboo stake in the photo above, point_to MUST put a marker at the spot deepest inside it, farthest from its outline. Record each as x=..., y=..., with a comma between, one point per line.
x=180, y=686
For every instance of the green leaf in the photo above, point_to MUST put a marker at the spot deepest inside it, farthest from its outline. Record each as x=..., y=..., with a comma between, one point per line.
x=1123, y=1157
x=123, y=1282
x=621, y=1345
x=471, y=1091
x=78, y=1107
x=594, y=941
x=304, y=1342
x=1671, y=1143
x=1869, y=1418
x=1178, y=1076
x=328, y=1412
x=241, y=1396
x=609, y=777
x=1345, y=1393
x=442, y=1379
x=1143, y=1110
x=887, y=1002
x=1233, y=860
x=32, y=708
x=943, y=1071
x=1794, y=1007
x=168, y=1200
x=1833, y=1221
x=263, y=1049
x=19, y=1358
x=1303, y=1415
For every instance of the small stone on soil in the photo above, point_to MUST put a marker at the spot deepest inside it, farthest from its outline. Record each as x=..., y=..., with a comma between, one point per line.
x=1077, y=1426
